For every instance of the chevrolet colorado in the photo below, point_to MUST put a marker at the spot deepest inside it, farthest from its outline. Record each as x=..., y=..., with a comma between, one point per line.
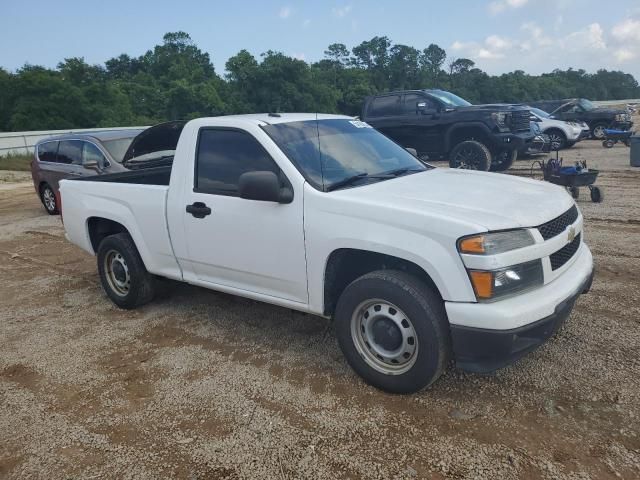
x=416, y=265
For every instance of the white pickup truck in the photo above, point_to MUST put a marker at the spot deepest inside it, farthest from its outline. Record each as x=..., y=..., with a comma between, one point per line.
x=416, y=265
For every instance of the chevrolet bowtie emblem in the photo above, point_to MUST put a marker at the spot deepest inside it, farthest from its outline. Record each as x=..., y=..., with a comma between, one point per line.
x=572, y=234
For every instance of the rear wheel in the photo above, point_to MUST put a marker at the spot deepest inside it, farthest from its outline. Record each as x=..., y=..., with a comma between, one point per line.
x=48, y=198
x=123, y=275
x=393, y=331
x=470, y=155
x=598, y=131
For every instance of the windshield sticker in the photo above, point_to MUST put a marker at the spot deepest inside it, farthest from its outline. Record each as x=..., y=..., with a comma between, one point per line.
x=360, y=124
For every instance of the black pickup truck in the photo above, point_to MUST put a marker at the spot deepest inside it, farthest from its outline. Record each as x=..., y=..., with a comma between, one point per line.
x=441, y=125
x=583, y=110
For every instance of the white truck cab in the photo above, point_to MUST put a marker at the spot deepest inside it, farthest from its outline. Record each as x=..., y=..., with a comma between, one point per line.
x=321, y=213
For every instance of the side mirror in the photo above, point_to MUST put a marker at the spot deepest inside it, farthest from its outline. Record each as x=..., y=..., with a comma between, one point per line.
x=91, y=165
x=412, y=151
x=263, y=186
x=424, y=109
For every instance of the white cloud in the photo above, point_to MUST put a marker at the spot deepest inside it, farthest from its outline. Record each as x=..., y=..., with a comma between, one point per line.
x=499, y=6
x=299, y=56
x=496, y=42
x=306, y=23
x=627, y=30
x=285, y=12
x=342, y=12
x=624, y=55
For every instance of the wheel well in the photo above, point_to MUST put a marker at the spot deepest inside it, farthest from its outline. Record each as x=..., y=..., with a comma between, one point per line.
x=41, y=186
x=468, y=133
x=346, y=264
x=100, y=228
x=555, y=129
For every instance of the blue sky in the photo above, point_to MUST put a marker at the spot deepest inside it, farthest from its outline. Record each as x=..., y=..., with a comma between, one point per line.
x=500, y=35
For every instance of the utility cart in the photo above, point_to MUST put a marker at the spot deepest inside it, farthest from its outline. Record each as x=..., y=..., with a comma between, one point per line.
x=571, y=177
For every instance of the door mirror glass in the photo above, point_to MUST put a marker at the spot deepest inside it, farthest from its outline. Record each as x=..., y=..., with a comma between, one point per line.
x=412, y=151
x=263, y=186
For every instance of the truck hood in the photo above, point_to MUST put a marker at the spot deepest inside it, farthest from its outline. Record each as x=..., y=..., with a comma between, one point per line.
x=485, y=200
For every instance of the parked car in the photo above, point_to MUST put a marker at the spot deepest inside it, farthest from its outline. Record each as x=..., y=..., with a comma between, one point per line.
x=541, y=143
x=439, y=124
x=583, y=110
x=78, y=155
x=323, y=214
x=562, y=134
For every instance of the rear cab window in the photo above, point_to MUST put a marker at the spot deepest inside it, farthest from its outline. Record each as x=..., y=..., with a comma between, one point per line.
x=225, y=154
x=48, y=152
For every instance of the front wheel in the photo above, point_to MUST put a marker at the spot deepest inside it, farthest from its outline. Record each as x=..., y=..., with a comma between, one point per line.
x=557, y=138
x=470, y=155
x=123, y=275
x=503, y=160
x=393, y=330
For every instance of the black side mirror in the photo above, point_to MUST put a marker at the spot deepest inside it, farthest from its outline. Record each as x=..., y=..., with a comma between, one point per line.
x=92, y=165
x=424, y=109
x=263, y=186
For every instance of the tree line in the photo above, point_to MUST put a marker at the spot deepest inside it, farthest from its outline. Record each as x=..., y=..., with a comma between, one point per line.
x=177, y=80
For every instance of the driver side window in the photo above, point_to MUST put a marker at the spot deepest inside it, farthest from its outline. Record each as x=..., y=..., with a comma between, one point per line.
x=412, y=102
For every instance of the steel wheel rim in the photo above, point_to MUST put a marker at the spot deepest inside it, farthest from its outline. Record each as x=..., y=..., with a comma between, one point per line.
x=49, y=199
x=384, y=337
x=598, y=132
x=468, y=158
x=117, y=273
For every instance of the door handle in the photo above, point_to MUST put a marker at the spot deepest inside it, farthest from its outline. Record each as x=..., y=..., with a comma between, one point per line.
x=198, y=210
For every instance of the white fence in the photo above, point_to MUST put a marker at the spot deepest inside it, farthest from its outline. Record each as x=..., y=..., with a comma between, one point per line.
x=23, y=142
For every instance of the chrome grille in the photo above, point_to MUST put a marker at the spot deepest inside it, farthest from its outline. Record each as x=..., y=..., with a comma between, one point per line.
x=563, y=255
x=559, y=224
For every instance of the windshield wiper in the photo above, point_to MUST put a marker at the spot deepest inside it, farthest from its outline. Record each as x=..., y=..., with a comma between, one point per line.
x=401, y=171
x=354, y=178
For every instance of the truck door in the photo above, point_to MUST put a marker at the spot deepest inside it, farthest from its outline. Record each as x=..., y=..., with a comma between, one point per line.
x=251, y=245
x=420, y=124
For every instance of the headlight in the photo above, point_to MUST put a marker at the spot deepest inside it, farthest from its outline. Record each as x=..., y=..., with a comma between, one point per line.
x=502, y=119
x=497, y=242
x=497, y=284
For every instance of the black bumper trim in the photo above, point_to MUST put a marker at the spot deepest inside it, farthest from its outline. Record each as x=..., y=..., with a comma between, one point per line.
x=482, y=350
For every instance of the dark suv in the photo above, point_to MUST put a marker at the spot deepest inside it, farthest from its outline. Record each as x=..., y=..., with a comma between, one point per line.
x=76, y=155
x=441, y=125
x=581, y=109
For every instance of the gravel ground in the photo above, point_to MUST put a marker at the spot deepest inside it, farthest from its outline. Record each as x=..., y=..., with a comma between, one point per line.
x=200, y=384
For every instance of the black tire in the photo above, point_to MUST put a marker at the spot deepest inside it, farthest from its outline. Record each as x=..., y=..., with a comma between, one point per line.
x=596, y=195
x=597, y=131
x=117, y=254
x=425, y=318
x=558, y=139
x=608, y=143
x=471, y=155
x=569, y=144
x=49, y=199
x=575, y=192
x=503, y=160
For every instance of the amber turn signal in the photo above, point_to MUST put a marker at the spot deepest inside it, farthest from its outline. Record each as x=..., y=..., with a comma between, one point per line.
x=472, y=245
x=482, y=284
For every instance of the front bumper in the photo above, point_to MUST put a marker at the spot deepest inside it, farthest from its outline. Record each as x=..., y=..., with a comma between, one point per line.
x=513, y=141
x=519, y=324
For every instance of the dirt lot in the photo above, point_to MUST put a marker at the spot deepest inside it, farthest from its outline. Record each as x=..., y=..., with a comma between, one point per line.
x=205, y=385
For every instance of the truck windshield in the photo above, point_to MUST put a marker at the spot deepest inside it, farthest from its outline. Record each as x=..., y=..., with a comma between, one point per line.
x=342, y=152
x=449, y=99
x=586, y=104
